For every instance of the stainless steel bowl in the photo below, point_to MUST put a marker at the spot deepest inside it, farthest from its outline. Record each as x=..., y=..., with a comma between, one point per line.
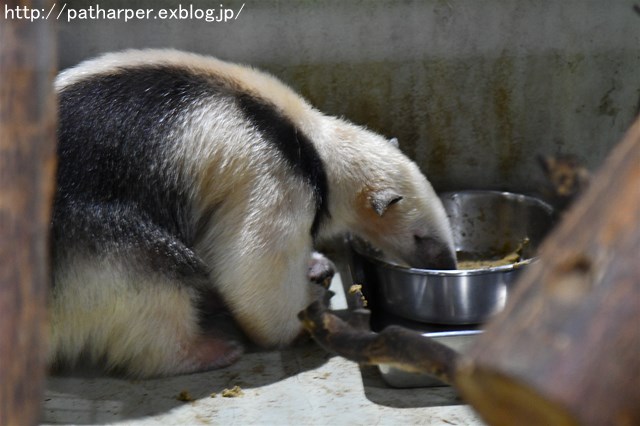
x=484, y=223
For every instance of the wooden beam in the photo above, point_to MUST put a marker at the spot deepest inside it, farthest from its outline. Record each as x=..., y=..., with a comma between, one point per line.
x=27, y=174
x=566, y=349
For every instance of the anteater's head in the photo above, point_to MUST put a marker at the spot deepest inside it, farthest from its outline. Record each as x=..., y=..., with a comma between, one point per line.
x=392, y=204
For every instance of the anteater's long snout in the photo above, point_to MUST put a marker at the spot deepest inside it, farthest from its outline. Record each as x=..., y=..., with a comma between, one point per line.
x=432, y=253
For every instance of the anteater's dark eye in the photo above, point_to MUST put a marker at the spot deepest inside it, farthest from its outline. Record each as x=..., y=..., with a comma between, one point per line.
x=395, y=200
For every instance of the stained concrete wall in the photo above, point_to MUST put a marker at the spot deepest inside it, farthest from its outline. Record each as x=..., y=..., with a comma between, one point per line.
x=474, y=89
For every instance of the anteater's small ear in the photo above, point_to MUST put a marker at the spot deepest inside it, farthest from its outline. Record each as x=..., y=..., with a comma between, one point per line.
x=394, y=142
x=381, y=200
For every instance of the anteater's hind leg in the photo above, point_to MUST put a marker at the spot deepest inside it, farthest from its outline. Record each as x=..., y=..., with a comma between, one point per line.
x=133, y=297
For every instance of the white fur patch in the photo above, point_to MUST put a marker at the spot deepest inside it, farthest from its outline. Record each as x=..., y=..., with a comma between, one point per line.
x=109, y=313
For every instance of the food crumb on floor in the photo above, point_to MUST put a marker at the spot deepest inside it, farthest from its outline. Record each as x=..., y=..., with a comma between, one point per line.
x=184, y=396
x=234, y=392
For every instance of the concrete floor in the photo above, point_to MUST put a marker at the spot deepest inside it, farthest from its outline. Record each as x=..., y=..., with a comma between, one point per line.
x=302, y=386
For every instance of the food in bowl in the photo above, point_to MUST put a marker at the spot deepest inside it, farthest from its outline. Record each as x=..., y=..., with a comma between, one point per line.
x=468, y=261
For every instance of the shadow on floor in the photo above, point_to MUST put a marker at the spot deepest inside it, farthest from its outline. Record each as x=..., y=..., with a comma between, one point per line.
x=87, y=398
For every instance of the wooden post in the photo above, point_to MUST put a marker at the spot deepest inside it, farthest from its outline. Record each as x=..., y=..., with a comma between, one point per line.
x=27, y=174
x=566, y=349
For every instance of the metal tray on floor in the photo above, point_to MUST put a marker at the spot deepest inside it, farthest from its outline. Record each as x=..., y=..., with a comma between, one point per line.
x=458, y=340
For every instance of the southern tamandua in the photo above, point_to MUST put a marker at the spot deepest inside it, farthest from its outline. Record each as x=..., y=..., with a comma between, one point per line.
x=190, y=194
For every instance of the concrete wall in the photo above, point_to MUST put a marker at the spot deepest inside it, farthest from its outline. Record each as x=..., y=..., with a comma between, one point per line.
x=474, y=89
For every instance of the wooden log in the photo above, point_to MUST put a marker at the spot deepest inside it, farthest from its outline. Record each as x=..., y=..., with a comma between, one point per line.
x=566, y=349
x=27, y=174
x=395, y=346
